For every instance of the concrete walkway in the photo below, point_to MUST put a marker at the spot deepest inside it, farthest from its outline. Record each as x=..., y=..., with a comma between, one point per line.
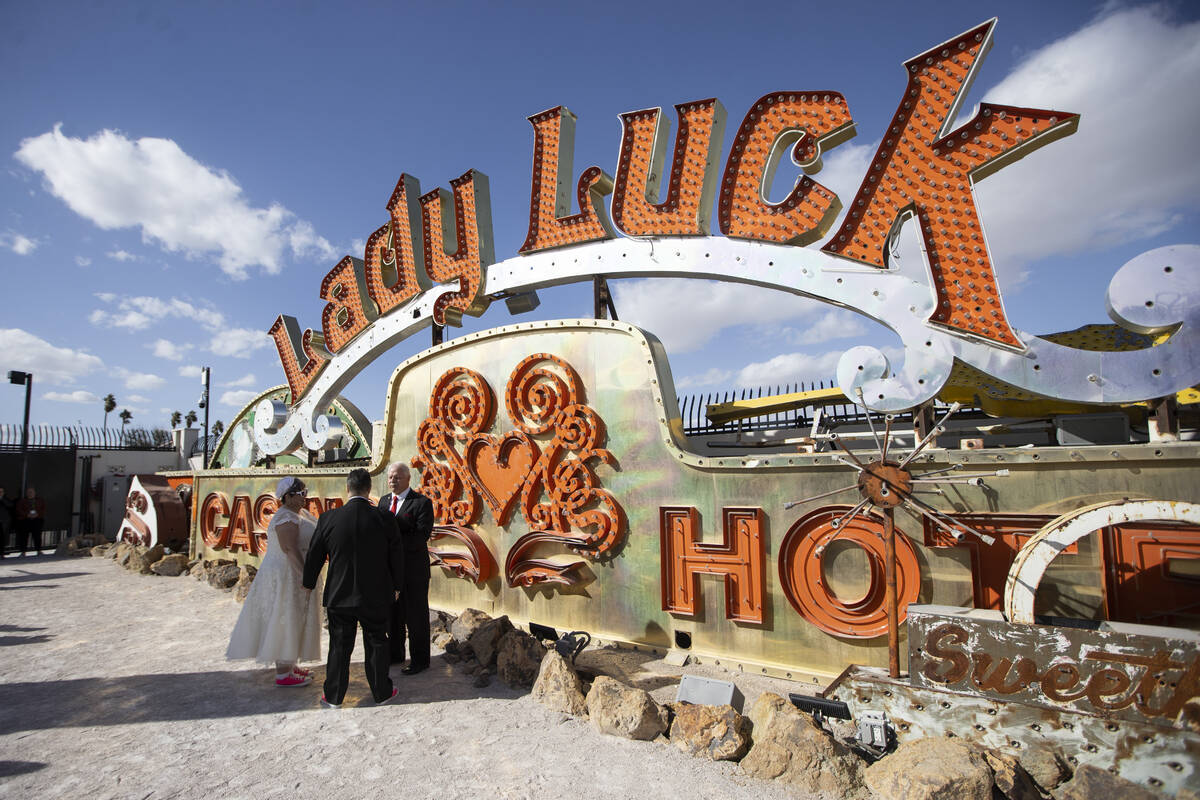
x=114, y=685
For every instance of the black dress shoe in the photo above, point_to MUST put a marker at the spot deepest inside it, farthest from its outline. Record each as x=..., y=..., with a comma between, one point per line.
x=413, y=669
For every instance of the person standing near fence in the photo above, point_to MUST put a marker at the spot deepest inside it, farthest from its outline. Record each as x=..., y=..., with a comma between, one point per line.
x=31, y=518
x=6, y=520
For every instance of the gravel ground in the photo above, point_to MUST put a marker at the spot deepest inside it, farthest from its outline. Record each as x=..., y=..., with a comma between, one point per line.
x=114, y=685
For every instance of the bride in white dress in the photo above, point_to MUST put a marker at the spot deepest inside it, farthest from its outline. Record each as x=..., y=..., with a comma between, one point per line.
x=280, y=621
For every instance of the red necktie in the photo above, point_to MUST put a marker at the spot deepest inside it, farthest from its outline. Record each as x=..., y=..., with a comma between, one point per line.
x=395, y=504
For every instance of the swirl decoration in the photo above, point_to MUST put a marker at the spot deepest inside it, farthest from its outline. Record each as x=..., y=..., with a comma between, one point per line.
x=465, y=467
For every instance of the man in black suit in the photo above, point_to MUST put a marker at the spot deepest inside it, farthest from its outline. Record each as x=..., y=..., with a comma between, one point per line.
x=413, y=512
x=366, y=568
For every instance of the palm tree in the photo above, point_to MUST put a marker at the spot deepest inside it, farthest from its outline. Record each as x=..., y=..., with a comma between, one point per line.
x=125, y=416
x=190, y=418
x=110, y=403
x=218, y=428
x=176, y=417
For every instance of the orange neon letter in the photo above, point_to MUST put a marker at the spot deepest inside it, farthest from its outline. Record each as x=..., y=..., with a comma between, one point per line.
x=685, y=209
x=923, y=168
x=349, y=310
x=463, y=247
x=549, y=201
x=215, y=536
x=740, y=557
x=394, y=252
x=807, y=122
x=292, y=348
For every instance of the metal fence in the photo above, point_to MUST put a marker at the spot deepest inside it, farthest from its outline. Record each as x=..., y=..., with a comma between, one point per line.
x=693, y=410
x=42, y=437
x=693, y=407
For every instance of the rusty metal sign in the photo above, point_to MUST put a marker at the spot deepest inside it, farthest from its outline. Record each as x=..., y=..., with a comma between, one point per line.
x=1138, y=673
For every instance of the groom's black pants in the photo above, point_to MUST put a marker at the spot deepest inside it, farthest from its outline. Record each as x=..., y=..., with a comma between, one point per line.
x=343, y=627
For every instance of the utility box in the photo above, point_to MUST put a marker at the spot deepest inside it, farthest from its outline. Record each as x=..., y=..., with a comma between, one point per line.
x=113, y=491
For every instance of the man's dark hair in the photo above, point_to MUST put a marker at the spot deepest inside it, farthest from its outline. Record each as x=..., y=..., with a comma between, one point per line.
x=358, y=481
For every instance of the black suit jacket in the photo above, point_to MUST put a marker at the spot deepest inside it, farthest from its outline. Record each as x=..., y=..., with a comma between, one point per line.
x=415, y=520
x=366, y=562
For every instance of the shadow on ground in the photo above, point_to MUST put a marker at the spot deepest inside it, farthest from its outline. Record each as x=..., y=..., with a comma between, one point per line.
x=90, y=702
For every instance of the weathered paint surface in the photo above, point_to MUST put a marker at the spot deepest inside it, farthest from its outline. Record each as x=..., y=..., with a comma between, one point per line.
x=1163, y=759
x=1139, y=673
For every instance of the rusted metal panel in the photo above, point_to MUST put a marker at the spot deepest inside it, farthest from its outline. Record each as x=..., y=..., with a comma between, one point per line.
x=1138, y=673
x=1164, y=759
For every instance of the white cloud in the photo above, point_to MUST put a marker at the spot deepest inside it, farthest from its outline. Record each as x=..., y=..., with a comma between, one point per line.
x=834, y=324
x=1130, y=169
x=782, y=369
x=787, y=368
x=239, y=342
x=169, y=350
x=238, y=398
x=121, y=255
x=139, y=313
x=137, y=398
x=139, y=380
x=83, y=261
x=49, y=364
x=77, y=396
x=245, y=380
x=177, y=202
x=686, y=314
x=21, y=245
x=190, y=371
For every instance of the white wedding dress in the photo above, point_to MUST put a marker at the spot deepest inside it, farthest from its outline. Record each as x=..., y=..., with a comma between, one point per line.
x=280, y=620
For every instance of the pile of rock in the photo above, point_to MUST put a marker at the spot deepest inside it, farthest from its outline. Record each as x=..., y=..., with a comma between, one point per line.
x=81, y=545
x=778, y=742
x=223, y=574
x=484, y=647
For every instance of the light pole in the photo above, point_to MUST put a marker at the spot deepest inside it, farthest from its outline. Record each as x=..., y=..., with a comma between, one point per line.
x=204, y=379
x=26, y=378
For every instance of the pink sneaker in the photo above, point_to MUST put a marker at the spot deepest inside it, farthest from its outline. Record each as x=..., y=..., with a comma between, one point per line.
x=293, y=680
x=303, y=673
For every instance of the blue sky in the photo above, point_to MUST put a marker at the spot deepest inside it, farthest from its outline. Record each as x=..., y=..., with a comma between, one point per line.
x=177, y=175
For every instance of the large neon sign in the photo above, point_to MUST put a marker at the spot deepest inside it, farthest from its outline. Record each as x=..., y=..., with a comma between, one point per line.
x=433, y=260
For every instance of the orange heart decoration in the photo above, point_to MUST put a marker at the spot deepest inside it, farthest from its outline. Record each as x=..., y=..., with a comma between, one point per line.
x=498, y=467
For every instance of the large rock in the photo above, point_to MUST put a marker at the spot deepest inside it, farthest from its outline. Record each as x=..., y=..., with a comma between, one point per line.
x=1093, y=783
x=519, y=658
x=439, y=622
x=146, y=558
x=101, y=550
x=1010, y=778
x=199, y=571
x=622, y=710
x=242, y=587
x=1046, y=766
x=224, y=576
x=171, y=566
x=114, y=552
x=790, y=747
x=558, y=686
x=466, y=623
x=715, y=732
x=929, y=769
x=122, y=553
x=485, y=640
x=75, y=546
